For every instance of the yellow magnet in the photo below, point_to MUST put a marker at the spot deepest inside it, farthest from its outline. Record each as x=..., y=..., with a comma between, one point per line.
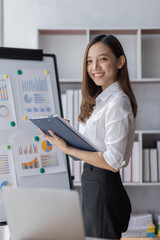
x=46, y=72
x=25, y=117
x=6, y=76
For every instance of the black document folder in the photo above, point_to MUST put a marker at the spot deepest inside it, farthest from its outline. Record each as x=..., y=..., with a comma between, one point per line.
x=65, y=131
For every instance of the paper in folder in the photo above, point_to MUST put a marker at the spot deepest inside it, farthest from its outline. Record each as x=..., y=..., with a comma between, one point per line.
x=65, y=131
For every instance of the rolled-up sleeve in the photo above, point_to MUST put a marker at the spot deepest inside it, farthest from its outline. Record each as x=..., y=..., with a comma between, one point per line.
x=117, y=130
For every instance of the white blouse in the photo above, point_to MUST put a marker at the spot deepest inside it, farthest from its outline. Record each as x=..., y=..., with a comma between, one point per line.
x=111, y=126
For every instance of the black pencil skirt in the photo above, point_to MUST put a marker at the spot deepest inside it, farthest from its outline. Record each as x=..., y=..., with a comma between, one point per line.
x=106, y=206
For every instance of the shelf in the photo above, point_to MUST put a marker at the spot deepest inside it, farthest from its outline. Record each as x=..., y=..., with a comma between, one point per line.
x=68, y=45
x=141, y=47
x=77, y=184
x=142, y=80
x=130, y=184
x=149, y=139
x=142, y=184
x=150, y=53
x=129, y=40
x=113, y=31
x=146, y=80
x=147, y=131
x=151, y=31
x=62, y=31
x=148, y=99
x=70, y=80
x=141, y=238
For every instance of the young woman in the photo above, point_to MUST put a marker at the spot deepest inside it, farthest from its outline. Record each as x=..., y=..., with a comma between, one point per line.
x=106, y=118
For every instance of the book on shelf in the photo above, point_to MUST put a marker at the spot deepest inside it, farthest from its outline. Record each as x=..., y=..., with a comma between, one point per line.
x=75, y=96
x=71, y=164
x=158, y=158
x=121, y=173
x=64, y=104
x=127, y=172
x=146, y=165
x=70, y=106
x=77, y=171
x=135, y=162
x=153, y=165
x=76, y=109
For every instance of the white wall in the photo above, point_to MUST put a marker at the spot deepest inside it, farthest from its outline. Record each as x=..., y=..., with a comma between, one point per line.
x=22, y=18
x=1, y=22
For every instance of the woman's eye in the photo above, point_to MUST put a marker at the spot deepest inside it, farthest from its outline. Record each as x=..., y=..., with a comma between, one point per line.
x=89, y=61
x=103, y=59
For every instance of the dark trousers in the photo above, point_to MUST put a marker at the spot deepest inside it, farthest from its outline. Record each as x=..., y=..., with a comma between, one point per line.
x=105, y=204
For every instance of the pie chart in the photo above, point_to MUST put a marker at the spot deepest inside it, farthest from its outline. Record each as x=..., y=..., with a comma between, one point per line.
x=3, y=111
x=5, y=183
x=46, y=146
x=27, y=98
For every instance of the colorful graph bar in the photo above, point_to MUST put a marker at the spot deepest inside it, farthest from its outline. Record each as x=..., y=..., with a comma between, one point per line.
x=4, y=164
x=4, y=184
x=3, y=93
x=31, y=165
x=28, y=149
x=49, y=160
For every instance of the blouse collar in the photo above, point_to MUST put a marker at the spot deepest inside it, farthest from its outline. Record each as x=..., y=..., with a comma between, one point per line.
x=103, y=96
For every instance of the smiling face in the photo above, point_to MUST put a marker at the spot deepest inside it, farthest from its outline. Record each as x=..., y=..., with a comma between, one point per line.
x=102, y=65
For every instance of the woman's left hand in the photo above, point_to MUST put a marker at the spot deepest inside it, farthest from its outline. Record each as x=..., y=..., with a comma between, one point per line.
x=55, y=140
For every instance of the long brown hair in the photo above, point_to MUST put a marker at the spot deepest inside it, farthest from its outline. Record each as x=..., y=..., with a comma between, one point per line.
x=90, y=90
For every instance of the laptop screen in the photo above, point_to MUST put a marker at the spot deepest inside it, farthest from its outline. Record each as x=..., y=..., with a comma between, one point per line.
x=43, y=214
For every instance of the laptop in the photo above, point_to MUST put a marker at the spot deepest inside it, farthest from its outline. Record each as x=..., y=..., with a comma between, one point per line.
x=43, y=214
